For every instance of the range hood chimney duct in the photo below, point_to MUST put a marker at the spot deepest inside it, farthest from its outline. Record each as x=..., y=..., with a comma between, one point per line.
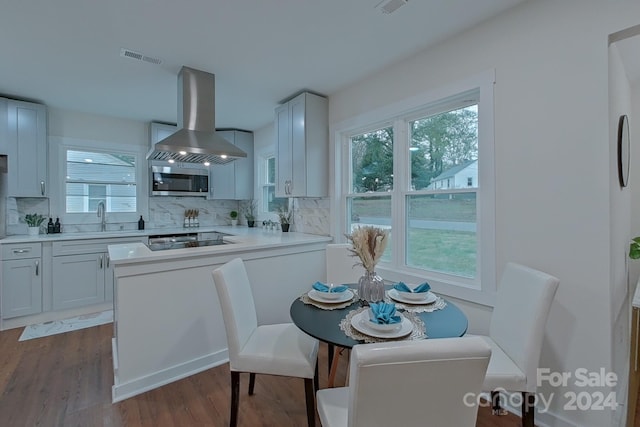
x=196, y=140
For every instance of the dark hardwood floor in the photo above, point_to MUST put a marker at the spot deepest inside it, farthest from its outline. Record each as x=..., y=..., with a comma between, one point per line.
x=65, y=380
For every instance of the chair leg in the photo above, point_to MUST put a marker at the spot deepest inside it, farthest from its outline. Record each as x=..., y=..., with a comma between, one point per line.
x=252, y=382
x=316, y=380
x=330, y=355
x=310, y=397
x=528, y=409
x=235, y=397
x=496, y=406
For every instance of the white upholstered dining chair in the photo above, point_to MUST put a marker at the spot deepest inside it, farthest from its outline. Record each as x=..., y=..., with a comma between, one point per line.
x=516, y=332
x=280, y=349
x=341, y=266
x=432, y=382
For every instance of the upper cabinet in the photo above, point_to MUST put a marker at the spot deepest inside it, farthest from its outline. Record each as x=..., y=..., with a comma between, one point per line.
x=159, y=131
x=302, y=147
x=234, y=180
x=4, y=137
x=26, y=135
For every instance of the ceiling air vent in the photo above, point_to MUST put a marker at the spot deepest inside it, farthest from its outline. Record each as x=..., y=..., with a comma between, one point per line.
x=127, y=53
x=390, y=6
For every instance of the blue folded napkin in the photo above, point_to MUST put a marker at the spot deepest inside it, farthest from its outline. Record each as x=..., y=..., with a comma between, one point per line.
x=321, y=287
x=384, y=313
x=402, y=287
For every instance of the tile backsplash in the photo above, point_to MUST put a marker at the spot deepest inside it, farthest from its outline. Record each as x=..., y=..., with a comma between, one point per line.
x=310, y=215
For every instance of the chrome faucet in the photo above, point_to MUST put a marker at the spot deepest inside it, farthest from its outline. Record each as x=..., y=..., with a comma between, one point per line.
x=103, y=215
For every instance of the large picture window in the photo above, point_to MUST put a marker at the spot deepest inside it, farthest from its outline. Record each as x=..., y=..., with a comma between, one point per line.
x=423, y=174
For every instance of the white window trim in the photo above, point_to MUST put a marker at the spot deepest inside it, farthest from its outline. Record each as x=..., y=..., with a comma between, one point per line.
x=58, y=167
x=446, y=285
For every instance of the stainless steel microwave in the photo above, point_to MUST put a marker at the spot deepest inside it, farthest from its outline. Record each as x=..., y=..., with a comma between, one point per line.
x=177, y=181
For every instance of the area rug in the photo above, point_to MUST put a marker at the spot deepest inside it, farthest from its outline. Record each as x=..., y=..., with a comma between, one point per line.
x=66, y=325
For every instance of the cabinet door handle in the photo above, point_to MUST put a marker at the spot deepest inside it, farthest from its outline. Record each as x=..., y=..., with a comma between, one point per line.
x=108, y=260
x=37, y=268
x=100, y=261
x=21, y=251
x=42, y=187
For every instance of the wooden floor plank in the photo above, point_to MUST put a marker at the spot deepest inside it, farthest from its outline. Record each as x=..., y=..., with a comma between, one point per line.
x=65, y=380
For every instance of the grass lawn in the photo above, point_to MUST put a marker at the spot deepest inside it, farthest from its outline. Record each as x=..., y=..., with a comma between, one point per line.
x=443, y=250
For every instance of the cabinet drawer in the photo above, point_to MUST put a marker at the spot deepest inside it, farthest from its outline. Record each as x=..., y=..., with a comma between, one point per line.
x=21, y=251
x=91, y=246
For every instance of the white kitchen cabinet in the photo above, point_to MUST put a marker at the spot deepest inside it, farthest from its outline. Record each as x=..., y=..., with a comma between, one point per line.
x=302, y=138
x=21, y=280
x=82, y=271
x=78, y=280
x=234, y=180
x=27, y=172
x=159, y=131
x=4, y=138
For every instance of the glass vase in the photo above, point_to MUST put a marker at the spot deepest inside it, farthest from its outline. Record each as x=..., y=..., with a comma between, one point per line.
x=371, y=287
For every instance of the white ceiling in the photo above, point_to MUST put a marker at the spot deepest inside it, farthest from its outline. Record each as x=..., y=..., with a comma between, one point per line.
x=66, y=53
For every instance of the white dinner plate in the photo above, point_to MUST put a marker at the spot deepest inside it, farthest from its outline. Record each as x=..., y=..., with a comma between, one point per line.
x=361, y=321
x=430, y=298
x=317, y=296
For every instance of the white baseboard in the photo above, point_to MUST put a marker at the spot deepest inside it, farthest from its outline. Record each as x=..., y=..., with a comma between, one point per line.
x=124, y=391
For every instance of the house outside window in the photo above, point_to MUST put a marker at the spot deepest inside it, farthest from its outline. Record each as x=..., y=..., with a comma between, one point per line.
x=420, y=174
x=93, y=177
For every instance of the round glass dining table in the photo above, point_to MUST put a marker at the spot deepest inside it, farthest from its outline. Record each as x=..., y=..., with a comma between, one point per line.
x=324, y=325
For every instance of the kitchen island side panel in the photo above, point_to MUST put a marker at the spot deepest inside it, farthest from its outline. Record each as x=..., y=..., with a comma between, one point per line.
x=168, y=324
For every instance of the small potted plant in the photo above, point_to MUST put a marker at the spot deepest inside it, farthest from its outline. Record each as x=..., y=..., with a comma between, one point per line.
x=634, y=248
x=285, y=215
x=234, y=218
x=250, y=213
x=34, y=221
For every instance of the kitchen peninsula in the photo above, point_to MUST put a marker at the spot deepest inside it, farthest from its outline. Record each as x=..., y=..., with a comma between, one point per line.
x=167, y=319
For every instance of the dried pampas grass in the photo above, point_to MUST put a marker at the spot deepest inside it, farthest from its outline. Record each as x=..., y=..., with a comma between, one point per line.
x=369, y=244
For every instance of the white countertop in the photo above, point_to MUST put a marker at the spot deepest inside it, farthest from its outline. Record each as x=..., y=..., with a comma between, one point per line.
x=240, y=239
x=22, y=238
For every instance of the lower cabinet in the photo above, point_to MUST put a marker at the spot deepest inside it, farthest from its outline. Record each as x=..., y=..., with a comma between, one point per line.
x=79, y=280
x=21, y=287
x=82, y=272
x=21, y=279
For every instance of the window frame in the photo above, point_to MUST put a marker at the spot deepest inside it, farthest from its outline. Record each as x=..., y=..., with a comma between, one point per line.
x=59, y=169
x=482, y=288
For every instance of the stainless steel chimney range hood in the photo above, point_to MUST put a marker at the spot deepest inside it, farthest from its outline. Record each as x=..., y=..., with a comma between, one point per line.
x=196, y=140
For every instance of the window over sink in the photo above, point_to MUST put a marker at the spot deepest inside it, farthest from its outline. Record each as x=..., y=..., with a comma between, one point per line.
x=87, y=172
x=94, y=177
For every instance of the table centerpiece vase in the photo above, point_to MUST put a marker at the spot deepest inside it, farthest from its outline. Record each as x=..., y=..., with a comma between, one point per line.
x=368, y=244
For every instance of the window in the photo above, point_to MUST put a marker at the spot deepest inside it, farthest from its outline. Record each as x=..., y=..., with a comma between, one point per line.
x=271, y=203
x=93, y=177
x=426, y=173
